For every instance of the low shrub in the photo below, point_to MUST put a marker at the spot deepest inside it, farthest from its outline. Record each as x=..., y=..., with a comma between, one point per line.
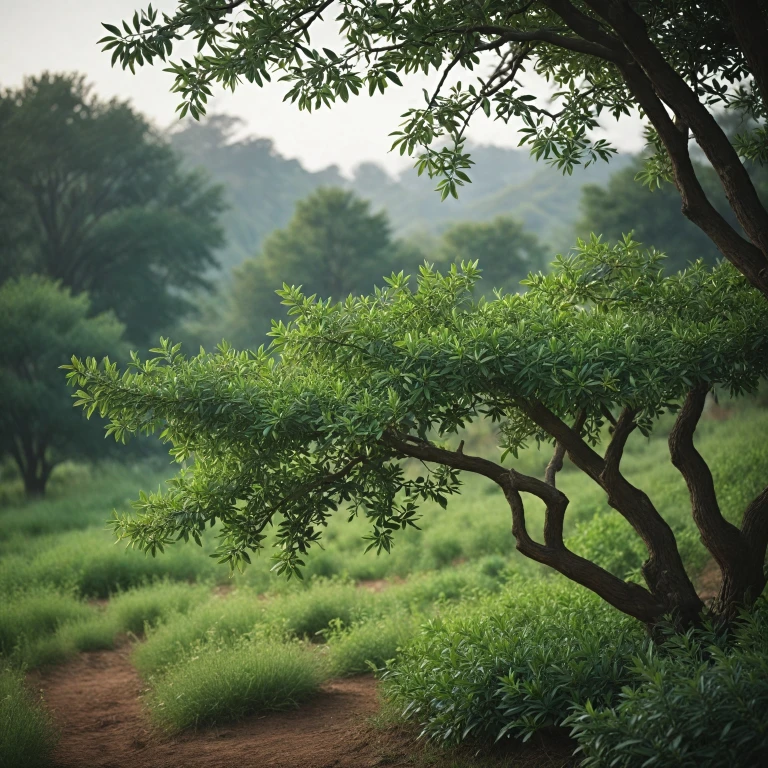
x=218, y=621
x=701, y=701
x=25, y=616
x=355, y=649
x=305, y=613
x=224, y=683
x=513, y=664
x=27, y=735
x=131, y=610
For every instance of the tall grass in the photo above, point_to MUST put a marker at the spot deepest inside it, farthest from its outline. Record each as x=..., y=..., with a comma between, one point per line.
x=225, y=683
x=27, y=734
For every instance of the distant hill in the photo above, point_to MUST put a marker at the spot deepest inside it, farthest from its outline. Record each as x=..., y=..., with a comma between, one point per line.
x=262, y=188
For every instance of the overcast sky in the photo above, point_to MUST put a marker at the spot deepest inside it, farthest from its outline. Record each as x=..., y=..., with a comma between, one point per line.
x=61, y=35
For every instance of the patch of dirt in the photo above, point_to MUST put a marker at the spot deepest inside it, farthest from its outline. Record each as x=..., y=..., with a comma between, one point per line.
x=95, y=702
x=708, y=582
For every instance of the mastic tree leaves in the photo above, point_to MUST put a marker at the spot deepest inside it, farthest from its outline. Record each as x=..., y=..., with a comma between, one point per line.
x=92, y=197
x=674, y=62
x=42, y=325
x=329, y=417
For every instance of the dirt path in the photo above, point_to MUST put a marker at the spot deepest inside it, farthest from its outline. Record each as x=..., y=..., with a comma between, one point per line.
x=95, y=701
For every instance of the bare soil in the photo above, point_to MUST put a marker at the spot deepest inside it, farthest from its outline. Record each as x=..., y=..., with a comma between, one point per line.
x=95, y=701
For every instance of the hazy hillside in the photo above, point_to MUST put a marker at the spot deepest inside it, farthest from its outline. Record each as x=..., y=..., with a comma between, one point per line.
x=262, y=188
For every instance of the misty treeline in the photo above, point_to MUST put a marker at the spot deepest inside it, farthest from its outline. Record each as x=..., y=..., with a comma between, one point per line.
x=113, y=232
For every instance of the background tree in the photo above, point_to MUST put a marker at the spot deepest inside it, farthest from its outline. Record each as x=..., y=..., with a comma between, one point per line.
x=93, y=198
x=673, y=61
x=505, y=250
x=332, y=246
x=42, y=325
x=358, y=389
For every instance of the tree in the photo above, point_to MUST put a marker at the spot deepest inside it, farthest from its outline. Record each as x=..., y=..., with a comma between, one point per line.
x=261, y=187
x=505, y=250
x=93, y=198
x=328, y=417
x=42, y=325
x=666, y=56
x=332, y=246
x=651, y=215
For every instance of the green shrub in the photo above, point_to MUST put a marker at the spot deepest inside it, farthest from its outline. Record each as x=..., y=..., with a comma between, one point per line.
x=307, y=612
x=27, y=735
x=218, y=621
x=224, y=683
x=131, y=610
x=25, y=616
x=609, y=540
x=699, y=702
x=513, y=664
x=354, y=649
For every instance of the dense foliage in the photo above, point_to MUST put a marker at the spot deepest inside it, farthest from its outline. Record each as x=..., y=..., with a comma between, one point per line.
x=41, y=325
x=536, y=657
x=505, y=249
x=91, y=196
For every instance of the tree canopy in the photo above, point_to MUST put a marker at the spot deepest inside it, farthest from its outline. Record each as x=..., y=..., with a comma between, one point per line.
x=332, y=246
x=42, y=325
x=350, y=391
x=91, y=196
x=505, y=249
x=674, y=62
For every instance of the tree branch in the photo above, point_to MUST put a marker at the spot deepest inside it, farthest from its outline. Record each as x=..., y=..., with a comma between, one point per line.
x=751, y=30
x=696, y=206
x=683, y=101
x=622, y=429
x=556, y=462
x=626, y=596
x=720, y=537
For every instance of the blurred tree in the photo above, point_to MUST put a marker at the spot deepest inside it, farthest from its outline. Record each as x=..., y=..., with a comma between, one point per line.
x=654, y=215
x=506, y=251
x=92, y=197
x=333, y=246
x=42, y=325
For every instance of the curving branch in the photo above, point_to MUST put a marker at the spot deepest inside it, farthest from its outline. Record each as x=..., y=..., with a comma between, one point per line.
x=556, y=462
x=672, y=89
x=720, y=537
x=622, y=429
x=628, y=597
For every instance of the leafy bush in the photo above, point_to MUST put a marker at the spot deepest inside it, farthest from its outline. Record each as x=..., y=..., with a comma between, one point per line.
x=130, y=611
x=307, y=612
x=699, y=702
x=513, y=664
x=223, y=683
x=27, y=735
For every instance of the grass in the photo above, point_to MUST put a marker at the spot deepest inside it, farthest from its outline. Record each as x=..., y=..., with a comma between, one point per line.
x=27, y=735
x=225, y=683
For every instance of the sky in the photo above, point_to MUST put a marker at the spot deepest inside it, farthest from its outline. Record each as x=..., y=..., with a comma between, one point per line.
x=61, y=35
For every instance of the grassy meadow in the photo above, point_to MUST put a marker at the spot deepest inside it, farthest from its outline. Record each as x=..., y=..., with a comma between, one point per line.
x=214, y=647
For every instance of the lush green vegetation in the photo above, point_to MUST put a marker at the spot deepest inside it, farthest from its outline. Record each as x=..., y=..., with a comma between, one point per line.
x=27, y=735
x=457, y=605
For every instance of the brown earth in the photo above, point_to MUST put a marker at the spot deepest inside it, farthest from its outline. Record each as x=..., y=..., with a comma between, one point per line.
x=95, y=701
